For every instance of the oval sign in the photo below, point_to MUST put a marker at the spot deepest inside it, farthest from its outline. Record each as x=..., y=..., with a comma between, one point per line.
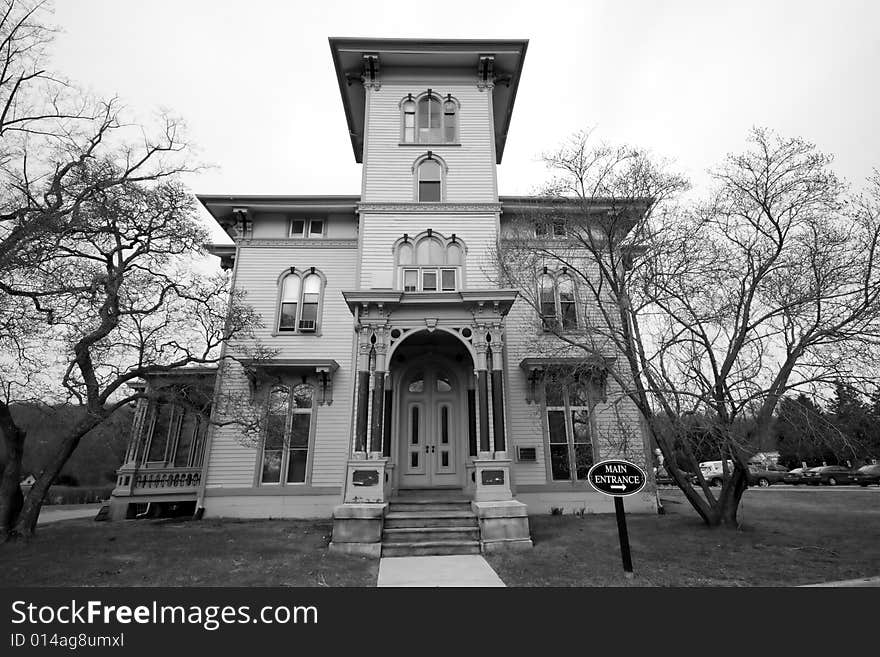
x=617, y=478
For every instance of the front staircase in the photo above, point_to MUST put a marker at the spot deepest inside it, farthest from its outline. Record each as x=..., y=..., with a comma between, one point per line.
x=423, y=522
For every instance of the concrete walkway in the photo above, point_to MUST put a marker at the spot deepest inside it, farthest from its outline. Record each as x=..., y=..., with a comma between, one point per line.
x=454, y=570
x=862, y=581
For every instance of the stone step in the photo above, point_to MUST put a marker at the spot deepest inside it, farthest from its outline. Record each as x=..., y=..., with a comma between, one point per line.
x=453, y=494
x=404, y=519
x=430, y=548
x=429, y=534
x=409, y=506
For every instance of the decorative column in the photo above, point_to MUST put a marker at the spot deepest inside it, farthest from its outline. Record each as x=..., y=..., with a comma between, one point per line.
x=497, y=347
x=481, y=347
x=492, y=475
x=378, y=401
x=363, y=390
x=365, y=481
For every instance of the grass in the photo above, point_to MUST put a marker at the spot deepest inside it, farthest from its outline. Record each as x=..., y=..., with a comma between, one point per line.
x=182, y=553
x=788, y=537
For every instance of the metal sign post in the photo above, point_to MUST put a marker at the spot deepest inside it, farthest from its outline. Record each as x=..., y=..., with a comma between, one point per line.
x=619, y=479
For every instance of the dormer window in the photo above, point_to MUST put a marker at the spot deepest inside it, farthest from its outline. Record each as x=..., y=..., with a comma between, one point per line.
x=301, y=228
x=429, y=119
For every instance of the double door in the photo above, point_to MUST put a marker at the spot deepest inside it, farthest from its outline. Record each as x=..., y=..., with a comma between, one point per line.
x=430, y=429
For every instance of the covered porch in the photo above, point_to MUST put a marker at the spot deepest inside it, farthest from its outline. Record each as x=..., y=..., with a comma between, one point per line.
x=429, y=412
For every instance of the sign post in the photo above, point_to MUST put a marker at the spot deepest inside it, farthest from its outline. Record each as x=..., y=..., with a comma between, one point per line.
x=619, y=479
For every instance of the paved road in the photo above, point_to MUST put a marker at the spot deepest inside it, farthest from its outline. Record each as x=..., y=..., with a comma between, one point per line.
x=788, y=487
x=50, y=514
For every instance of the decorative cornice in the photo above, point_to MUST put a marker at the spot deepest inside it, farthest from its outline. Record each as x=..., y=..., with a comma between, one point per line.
x=303, y=243
x=429, y=208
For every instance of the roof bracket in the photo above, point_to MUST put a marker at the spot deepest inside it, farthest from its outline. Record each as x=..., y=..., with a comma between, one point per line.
x=370, y=76
x=486, y=72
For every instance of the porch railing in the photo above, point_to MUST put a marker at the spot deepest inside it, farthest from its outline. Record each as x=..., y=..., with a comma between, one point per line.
x=165, y=478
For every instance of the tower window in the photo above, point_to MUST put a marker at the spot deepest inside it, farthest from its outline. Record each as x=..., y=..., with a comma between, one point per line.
x=430, y=181
x=429, y=120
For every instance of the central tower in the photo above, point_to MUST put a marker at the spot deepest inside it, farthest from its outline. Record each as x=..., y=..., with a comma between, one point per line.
x=428, y=120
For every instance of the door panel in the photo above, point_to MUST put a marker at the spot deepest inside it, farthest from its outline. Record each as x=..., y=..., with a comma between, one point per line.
x=415, y=439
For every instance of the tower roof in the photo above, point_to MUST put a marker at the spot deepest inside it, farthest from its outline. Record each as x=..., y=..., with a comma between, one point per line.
x=497, y=62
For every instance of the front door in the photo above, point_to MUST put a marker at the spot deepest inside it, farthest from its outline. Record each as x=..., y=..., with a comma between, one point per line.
x=430, y=429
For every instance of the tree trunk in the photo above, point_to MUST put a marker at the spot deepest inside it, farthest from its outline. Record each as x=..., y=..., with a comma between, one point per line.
x=731, y=496
x=10, y=489
x=33, y=502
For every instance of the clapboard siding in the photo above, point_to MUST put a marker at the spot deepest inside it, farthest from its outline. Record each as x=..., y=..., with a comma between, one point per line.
x=380, y=231
x=233, y=457
x=258, y=269
x=618, y=430
x=388, y=171
x=524, y=421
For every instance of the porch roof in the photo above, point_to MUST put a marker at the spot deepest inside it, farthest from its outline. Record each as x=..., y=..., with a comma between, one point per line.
x=498, y=300
x=288, y=364
x=538, y=363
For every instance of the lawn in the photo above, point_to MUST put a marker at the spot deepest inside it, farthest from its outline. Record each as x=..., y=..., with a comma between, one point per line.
x=788, y=537
x=182, y=553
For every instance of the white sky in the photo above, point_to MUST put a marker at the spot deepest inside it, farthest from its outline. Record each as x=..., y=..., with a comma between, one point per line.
x=686, y=78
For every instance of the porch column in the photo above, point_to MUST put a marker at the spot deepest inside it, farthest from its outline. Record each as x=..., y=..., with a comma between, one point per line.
x=378, y=401
x=481, y=348
x=498, y=389
x=363, y=390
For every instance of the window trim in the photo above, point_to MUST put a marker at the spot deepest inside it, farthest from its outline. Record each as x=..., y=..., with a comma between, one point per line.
x=302, y=274
x=417, y=99
x=289, y=385
x=567, y=410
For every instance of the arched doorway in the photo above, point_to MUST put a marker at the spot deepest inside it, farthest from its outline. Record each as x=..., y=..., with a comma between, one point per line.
x=433, y=387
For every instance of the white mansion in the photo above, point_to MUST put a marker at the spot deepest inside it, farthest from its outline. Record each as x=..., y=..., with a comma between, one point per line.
x=404, y=397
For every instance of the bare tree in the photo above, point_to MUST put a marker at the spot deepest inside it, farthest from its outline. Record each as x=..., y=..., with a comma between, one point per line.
x=717, y=309
x=118, y=299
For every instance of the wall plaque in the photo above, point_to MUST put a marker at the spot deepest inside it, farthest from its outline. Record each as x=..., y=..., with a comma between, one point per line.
x=365, y=478
x=493, y=477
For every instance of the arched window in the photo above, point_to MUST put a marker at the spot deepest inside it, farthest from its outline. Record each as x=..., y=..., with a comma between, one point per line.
x=430, y=180
x=557, y=301
x=430, y=119
x=300, y=302
x=286, y=437
x=547, y=301
x=567, y=304
x=449, y=111
x=409, y=121
x=430, y=263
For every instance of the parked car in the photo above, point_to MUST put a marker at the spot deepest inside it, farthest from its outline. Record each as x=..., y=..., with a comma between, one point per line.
x=713, y=472
x=832, y=475
x=662, y=477
x=795, y=477
x=765, y=476
x=868, y=475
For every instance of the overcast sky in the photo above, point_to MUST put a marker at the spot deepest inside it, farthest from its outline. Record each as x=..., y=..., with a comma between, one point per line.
x=686, y=78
